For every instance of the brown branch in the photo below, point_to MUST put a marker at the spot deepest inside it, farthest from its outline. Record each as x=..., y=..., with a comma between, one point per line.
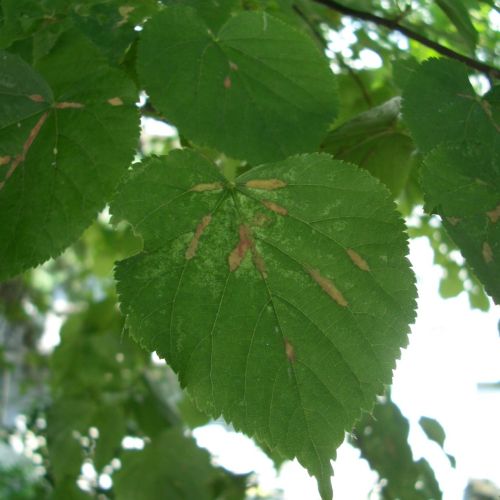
x=395, y=26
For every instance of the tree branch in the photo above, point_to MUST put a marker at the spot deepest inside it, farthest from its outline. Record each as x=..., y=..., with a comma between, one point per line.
x=395, y=26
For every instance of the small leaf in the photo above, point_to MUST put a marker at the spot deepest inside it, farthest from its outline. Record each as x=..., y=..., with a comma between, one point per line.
x=382, y=439
x=63, y=147
x=258, y=90
x=171, y=466
x=282, y=301
x=375, y=141
x=435, y=432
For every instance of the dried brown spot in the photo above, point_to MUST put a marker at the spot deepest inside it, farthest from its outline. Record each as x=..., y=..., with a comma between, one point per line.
x=69, y=105
x=227, y=82
x=115, y=101
x=275, y=207
x=453, y=220
x=487, y=253
x=239, y=252
x=494, y=215
x=358, y=260
x=36, y=98
x=289, y=351
x=198, y=188
x=29, y=141
x=259, y=262
x=4, y=160
x=267, y=184
x=328, y=287
x=233, y=66
x=193, y=245
x=124, y=11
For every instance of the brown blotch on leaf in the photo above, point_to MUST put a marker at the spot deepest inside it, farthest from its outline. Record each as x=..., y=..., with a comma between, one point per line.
x=259, y=262
x=36, y=98
x=289, y=351
x=358, y=260
x=193, y=245
x=227, y=82
x=275, y=207
x=453, y=220
x=115, y=101
x=69, y=105
x=213, y=186
x=487, y=253
x=328, y=287
x=233, y=66
x=239, y=252
x=4, y=160
x=494, y=215
x=266, y=184
x=26, y=146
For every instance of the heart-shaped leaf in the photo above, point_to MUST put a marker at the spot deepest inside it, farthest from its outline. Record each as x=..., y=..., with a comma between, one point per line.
x=282, y=300
x=258, y=90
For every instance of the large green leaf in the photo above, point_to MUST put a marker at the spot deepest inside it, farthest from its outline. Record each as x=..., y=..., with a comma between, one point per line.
x=461, y=174
x=282, y=300
x=67, y=134
x=375, y=141
x=258, y=90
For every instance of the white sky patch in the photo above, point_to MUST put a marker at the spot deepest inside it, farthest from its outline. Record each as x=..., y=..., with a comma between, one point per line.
x=156, y=128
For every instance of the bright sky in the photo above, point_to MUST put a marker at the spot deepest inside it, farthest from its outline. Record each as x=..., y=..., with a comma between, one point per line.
x=452, y=348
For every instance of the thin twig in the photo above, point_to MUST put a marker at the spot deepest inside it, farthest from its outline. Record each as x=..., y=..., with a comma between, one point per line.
x=395, y=26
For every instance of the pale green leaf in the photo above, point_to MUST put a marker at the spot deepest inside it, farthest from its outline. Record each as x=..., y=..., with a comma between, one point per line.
x=282, y=301
x=458, y=14
x=258, y=90
x=375, y=141
x=67, y=134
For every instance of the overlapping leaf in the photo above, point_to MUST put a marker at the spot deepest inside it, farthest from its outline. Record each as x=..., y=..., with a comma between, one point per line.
x=461, y=175
x=375, y=141
x=258, y=90
x=67, y=134
x=282, y=301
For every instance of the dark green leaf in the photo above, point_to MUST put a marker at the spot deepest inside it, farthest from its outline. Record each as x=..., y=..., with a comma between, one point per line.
x=281, y=301
x=214, y=12
x=383, y=441
x=170, y=467
x=258, y=90
x=67, y=135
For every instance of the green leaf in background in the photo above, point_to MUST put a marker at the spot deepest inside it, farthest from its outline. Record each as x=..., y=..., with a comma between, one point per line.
x=67, y=134
x=382, y=438
x=375, y=141
x=258, y=90
x=435, y=432
x=461, y=173
x=458, y=14
x=282, y=300
x=170, y=467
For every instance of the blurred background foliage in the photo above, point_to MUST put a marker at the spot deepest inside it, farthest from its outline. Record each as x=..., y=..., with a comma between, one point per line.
x=87, y=411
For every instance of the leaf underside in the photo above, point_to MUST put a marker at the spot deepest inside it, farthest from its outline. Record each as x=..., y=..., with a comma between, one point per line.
x=67, y=135
x=282, y=301
x=259, y=90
